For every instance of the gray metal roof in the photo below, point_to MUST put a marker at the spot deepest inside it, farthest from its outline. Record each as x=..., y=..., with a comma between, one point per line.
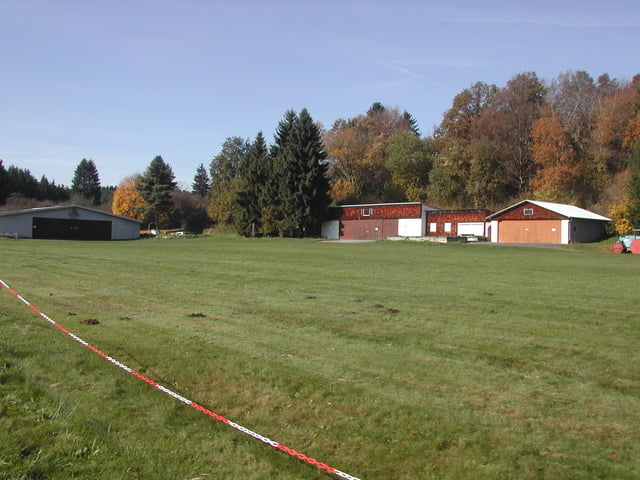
x=31, y=211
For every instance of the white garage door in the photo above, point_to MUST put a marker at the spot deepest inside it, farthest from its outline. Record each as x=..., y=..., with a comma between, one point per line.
x=471, y=228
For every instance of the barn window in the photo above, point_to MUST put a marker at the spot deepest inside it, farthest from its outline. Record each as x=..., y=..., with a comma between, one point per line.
x=447, y=227
x=527, y=211
x=366, y=212
x=433, y=227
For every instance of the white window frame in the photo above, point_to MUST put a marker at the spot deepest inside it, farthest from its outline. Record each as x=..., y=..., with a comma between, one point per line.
x=447, y=227
x=366, y=212
x=527, y=211
x=433, y=227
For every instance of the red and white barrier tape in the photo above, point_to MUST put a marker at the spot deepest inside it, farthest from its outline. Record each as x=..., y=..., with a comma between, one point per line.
x=180, y=398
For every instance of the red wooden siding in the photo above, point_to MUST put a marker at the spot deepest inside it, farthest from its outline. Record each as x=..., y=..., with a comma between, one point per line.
x=375, y=212
x=369, y=229
x=440, y=217
x=537, y=213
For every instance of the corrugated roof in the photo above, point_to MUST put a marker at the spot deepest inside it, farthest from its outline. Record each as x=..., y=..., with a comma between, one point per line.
x=569, y=211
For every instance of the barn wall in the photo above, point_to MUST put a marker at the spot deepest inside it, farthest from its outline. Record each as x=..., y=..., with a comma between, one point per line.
x=539, y=213
x=585, y=231
x=20, y=224
x=373, y=229
x=452, y=217
x=124, y=230
x=381, y=211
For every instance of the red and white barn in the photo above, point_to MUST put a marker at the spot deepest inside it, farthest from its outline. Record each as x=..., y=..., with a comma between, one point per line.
x=531, y=221
x=376, y=221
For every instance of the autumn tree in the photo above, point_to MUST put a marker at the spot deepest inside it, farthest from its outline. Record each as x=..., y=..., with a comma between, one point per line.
x=86, y=182
x=557, y=171
x=506, y=123
x=357, y=149
x=127, y=200
x=155, y=186
x=614, y=119
x=458, y=121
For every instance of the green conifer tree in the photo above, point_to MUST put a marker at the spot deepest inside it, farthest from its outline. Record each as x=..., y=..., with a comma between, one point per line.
x=305, y=187
x=634, y=185
x=254, y=171
x=156, y=186
x=86, y=182
x=201, y=183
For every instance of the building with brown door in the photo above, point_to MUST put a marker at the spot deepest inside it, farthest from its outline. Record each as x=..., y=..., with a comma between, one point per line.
x=532, y=221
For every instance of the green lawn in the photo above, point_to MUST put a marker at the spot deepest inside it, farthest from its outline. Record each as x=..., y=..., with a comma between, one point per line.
x=388, y=360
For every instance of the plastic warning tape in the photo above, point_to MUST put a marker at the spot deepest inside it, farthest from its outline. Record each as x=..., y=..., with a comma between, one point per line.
x=186, y=401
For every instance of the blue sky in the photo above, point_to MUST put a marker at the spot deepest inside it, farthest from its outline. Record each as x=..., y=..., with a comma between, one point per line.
x=121, y=81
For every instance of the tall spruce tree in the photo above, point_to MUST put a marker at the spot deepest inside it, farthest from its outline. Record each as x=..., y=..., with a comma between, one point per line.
x=254, y=171
x=4, y=184
x=156, y=186
x=86, y=182
x=201, y=183
x=634, y=185
x=305, y=187
x=272, y=214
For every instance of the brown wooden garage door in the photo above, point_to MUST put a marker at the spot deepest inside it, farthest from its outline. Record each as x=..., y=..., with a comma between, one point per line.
x=378, y=229
x=529, y=231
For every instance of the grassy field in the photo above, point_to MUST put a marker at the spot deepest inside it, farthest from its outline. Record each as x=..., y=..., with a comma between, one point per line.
x=389, y=360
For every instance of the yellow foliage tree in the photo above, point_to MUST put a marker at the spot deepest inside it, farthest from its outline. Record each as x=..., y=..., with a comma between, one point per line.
x=620, y=213
x=126, y=199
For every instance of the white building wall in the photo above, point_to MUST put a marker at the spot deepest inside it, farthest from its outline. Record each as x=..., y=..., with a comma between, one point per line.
x=16, y=224
x=494, y=231
x=565, y=232
x=471, y=228
x=410, y=227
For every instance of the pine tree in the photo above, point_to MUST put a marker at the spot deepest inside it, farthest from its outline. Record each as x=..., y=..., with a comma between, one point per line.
x=634, y=185
x=4, y=184
x=272, y=214
x=155, y=186
x=305, y=187
x=86, y=181
x=201, y=183
x=412, y=124
x=254, y=171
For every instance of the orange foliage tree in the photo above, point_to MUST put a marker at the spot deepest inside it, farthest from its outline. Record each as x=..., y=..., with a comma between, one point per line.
x=126, y=199
x=557, y=172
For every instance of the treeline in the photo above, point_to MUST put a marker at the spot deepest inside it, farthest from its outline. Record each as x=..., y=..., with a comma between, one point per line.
x=277, y=190
x=568, y=140
x=572, y=140
x=20, y=189
x=18, y=183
